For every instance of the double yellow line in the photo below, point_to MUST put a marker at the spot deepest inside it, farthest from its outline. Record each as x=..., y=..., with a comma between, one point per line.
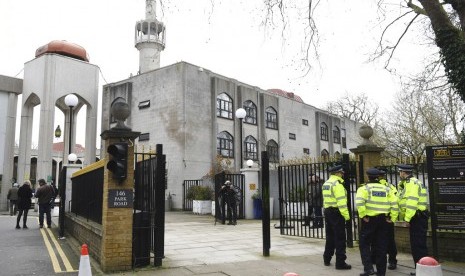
x=51, y=243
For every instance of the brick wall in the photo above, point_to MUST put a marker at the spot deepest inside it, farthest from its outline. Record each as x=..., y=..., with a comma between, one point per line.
x=451, y=246
x=87, y=232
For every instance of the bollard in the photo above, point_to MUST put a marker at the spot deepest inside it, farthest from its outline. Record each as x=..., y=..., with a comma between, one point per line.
x=428, y=266
x=291, y=274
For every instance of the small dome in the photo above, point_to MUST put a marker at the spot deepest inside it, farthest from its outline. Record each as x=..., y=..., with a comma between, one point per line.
x=65, y=48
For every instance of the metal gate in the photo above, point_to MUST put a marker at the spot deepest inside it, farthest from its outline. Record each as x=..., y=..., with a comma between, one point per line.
x=238, y=180
x=149, y=208
x=295, y=205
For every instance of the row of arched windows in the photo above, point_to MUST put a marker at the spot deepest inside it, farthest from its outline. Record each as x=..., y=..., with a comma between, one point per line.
x=224, y=109
x=225, y=147
x=324, y=133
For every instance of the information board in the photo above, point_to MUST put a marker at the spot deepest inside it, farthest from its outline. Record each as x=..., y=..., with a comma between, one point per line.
x=447, y=174
x=120, y=198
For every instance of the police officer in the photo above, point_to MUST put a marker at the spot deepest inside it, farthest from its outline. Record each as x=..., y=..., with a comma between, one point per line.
x=413, y=204
x=391, y=247
x=336, y=213
x=228, y=193
x=377, y=207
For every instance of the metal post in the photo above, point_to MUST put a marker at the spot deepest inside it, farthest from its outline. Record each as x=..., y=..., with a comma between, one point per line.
x=70, y=128
x=346, y=165
x=62, y=190
x=159, y=229
x=266, y=203
x=242, y=141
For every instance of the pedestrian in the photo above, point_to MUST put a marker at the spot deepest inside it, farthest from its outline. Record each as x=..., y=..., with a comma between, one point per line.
x=413, y=205
x=228, y=194
x=24, y=203
x=391, y=247
x=377, y=207
x=45, y=195
x=13, y=198
x=315, y=202
x=336, y=214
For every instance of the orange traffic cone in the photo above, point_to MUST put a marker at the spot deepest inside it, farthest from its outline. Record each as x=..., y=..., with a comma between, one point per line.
x=84, y=263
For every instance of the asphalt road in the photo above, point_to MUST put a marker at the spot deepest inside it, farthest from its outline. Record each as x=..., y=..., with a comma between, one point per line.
x=34, y=251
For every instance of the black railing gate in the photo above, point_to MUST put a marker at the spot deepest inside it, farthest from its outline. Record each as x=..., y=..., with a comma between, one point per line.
x=295, y=208
x=149, y=208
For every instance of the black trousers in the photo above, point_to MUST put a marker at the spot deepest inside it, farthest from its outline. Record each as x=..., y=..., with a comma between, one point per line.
x=391, y=246
x=418, y=229
x=374, y=232
x=335, y=236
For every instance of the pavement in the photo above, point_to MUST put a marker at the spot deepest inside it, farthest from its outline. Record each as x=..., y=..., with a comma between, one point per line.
x=194, y=245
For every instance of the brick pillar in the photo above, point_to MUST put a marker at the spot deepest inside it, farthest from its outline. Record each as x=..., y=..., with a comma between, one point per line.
x=117, y=209
x=370, y=152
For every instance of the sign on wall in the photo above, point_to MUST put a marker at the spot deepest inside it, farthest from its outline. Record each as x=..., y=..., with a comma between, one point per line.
x=120, y=198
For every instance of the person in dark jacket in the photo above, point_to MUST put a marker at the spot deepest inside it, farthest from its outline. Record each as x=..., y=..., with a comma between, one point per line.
x=228, y=192
x=45, y=195
x=24, y=203
x=13, y=198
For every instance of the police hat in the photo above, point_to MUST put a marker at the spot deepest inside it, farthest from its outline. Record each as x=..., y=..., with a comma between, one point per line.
x=405, y=168
x=227, y=182
x=373, y=172
x=335, y=169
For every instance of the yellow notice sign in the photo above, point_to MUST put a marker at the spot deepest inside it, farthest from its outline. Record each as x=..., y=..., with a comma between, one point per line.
x=252, y=186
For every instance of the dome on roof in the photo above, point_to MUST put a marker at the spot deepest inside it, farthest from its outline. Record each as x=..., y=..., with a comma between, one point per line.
x=65, y=48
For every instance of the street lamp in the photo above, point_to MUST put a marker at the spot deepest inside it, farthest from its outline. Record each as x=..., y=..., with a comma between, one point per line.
x=58, y=132
x=71, y=101
x=249, y=163
x=240, y=114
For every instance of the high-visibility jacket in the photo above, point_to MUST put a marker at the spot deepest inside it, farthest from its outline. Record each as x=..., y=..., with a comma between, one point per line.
x=412, y=197
x=375, y=199
x=335, y=195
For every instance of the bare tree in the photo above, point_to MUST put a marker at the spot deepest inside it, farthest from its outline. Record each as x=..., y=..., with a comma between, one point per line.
x=356, y=107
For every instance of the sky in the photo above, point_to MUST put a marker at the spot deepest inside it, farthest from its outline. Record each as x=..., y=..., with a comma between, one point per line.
x=223, y=36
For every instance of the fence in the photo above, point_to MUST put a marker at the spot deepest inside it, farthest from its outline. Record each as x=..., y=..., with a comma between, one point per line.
x=187, y=203
x=87, y=192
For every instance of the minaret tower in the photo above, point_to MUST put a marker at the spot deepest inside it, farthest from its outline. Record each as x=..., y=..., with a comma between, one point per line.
x=149, y=39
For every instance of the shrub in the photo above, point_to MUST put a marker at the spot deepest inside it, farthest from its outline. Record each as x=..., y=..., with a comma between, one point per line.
x=199, y=193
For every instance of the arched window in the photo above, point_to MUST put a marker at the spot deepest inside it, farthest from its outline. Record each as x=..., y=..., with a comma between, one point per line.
x=271, y=118
x=336, y=135
x=337, y=155
x=273, y=151
x=251, y=151
x=224, y=106
x=324, y=132
x=325, y=155
x=251, y=109
x=225, y=144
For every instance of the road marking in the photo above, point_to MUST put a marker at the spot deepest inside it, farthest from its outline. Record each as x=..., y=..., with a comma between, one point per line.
x=53, y=257
x=52, y=254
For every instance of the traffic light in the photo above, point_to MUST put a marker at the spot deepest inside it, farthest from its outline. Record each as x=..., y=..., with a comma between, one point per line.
x=118, y=163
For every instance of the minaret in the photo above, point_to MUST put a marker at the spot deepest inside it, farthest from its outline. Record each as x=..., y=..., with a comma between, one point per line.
x=149, y=39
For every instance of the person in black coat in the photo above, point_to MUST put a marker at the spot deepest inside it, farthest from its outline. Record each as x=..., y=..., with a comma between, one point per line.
x=24, y=203
x=228, y=193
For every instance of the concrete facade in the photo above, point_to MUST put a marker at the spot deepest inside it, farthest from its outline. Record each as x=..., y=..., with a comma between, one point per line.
x=47, y=80
x=176, y=106
x=10, y=88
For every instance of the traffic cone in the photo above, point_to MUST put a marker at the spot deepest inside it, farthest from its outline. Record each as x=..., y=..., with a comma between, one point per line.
x=428, y=266
x=84, y=263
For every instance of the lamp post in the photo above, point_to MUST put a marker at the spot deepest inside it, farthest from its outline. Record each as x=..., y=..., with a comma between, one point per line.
x=71, y=101
x=240, y=114
x=249, y=163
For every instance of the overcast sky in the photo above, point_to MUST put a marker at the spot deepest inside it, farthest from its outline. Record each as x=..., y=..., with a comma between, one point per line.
x=226, y=37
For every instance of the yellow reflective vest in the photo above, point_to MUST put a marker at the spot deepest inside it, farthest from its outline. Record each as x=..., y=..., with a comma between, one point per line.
x=375, y=199
x=335, y=195
x=412, y=197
